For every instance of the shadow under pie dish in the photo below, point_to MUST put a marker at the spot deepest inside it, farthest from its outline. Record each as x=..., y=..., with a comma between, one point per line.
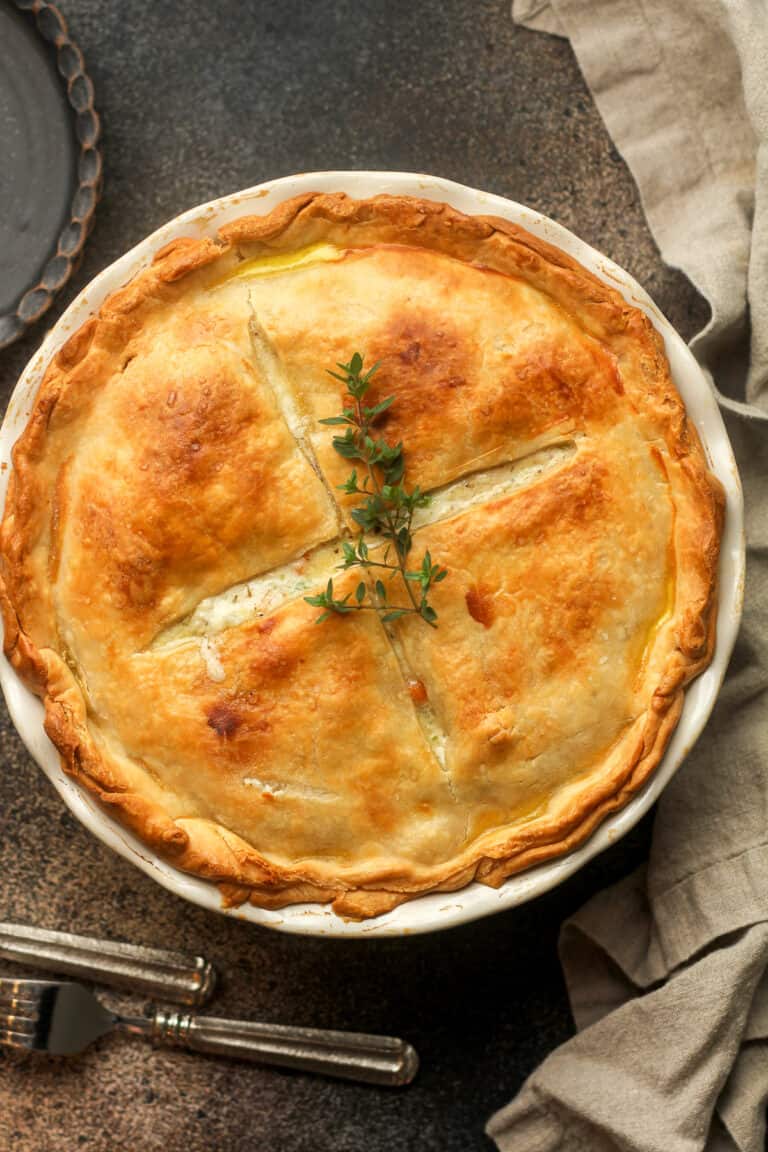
x=175, y=497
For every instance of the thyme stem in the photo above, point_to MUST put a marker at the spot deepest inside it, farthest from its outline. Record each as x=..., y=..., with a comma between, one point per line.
x=387, y=508
x=364, y=428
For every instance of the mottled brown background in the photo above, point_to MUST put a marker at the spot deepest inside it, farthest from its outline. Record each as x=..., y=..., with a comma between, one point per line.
x=200, y=99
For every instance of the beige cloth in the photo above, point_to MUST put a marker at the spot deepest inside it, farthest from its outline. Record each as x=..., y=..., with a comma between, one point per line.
x=668, y=971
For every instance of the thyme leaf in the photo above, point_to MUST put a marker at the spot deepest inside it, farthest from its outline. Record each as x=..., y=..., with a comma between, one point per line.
x=386, y=509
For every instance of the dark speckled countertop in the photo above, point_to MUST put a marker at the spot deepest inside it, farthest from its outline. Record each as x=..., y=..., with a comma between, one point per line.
x=200, y=99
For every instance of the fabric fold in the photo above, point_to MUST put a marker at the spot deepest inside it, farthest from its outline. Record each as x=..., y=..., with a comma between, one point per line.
x=647, y=1074
x=667, y=972
x=689, y=134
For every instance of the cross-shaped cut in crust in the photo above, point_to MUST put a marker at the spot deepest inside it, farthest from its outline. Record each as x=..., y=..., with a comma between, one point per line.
x=176, y=497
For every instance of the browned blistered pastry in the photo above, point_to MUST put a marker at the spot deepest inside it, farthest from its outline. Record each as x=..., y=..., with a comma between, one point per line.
x=175, y=497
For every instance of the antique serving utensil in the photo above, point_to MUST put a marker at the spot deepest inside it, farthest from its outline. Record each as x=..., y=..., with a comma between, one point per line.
x=63, y=1019
x=151, y=972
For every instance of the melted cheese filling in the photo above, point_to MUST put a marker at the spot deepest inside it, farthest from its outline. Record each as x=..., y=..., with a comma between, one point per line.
x=484, y=487
x=254, y=598
x=263, y=594
x=275, y=263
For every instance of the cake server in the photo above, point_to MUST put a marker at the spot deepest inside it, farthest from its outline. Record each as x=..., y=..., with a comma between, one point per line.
x=152, y=972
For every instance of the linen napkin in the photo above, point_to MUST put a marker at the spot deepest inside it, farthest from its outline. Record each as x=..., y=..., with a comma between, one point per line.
x=668, y=971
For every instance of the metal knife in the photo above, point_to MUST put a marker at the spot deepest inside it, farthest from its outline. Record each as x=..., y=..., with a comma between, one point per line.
x=150, y=971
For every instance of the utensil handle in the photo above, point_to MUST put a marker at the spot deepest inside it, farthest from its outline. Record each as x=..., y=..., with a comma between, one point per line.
x=150, y=971
x=349, y=1055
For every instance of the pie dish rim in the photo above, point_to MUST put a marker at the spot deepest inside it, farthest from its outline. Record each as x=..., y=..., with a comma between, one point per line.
x=466, y=903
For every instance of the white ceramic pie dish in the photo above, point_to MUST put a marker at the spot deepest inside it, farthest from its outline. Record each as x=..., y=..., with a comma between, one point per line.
x=438, y=910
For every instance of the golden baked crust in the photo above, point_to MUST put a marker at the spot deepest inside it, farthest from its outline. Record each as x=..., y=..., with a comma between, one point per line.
x=174, y=498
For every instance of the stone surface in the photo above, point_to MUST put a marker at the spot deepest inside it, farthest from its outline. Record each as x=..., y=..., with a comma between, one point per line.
x=198, y=100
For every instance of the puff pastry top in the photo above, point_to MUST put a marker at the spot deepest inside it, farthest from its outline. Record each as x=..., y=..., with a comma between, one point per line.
x=174, y=497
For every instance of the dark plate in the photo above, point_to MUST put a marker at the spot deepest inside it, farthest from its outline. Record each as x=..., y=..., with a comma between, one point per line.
x=50, y=165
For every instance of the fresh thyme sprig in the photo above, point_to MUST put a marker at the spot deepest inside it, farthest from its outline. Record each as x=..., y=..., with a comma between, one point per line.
x=386, y=510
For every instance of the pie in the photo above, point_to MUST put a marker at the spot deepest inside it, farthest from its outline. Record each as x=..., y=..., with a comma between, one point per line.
x=175, y=498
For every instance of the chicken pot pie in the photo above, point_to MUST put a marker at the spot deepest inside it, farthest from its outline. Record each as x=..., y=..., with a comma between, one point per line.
x=175, y=497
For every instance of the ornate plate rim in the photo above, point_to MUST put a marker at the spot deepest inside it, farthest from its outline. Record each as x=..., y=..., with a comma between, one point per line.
x=37, y=299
